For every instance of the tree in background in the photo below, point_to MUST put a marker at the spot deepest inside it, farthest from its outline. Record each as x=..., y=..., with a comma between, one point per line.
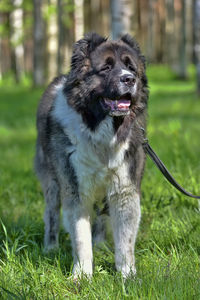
x=79, y=19
x=121, y=13
x=39, y=44
x=163, y=29
x=28, y=35
x=97, y=16
x=52, y=38
x=16, y=35
x=180, y=65
x=66, y=33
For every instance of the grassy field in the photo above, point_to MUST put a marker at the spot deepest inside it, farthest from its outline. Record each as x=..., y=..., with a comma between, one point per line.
x=168, y=243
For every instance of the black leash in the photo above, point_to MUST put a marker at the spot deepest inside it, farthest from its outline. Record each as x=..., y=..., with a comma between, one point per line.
x=147, y=148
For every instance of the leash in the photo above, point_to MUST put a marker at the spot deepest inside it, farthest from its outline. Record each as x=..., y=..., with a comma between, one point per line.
x=147, y=148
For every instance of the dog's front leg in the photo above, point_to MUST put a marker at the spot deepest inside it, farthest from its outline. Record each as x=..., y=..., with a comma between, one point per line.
x=125, y=218
x=77, y=222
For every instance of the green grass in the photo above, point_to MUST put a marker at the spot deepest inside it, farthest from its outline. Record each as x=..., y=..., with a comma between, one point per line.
x=168, y=243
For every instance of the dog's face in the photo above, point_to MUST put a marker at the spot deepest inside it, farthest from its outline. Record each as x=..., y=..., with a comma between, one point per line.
x=107, y=78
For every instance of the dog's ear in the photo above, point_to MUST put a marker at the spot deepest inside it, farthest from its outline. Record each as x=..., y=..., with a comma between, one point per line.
x=131, y=42
x=80, y=62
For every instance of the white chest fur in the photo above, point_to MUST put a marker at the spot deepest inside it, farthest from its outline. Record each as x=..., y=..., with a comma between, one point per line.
x=96, y=155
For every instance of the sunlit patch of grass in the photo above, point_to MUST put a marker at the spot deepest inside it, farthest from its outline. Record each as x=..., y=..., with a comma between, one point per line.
x=168, y=244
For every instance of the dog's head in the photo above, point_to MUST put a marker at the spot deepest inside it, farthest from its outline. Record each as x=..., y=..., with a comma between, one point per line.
x=106, y=78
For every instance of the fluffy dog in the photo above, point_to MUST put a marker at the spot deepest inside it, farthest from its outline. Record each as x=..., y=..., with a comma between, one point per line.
x=89, y=148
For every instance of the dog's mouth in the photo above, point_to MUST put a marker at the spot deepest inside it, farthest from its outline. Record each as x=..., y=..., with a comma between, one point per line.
x=118, y=107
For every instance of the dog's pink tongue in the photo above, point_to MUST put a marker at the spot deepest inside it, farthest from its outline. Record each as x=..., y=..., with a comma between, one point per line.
x=118, y=104
x=123, y=104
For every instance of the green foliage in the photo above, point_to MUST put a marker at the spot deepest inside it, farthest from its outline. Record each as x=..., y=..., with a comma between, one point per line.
x=168, y=244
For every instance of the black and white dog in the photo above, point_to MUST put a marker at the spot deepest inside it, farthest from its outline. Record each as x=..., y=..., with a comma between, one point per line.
x=89, y=148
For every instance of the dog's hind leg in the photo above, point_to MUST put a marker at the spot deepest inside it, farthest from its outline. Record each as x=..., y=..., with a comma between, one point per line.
x=52, y=214
x=51, y=193
x=99, y=228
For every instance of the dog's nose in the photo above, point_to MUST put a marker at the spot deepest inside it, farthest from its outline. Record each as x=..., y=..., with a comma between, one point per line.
x=128, y=79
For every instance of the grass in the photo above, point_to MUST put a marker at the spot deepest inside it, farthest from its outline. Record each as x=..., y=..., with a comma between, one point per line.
x=168, y=243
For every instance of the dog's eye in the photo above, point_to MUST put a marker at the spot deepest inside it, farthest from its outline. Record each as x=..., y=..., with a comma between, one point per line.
x=106, y=68
x=131, y=68
x=128, y=64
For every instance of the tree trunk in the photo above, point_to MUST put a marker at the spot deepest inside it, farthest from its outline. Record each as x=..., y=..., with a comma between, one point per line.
x=170, y=30
x=183, y=56
x=65, y=34
x=180, y=38
x=60, y=37
x=121, y=13
x=5, y=56
x=16, y=20
x=95, y=13
x=52, y=45
x=197, y=41
x=79, y=19
x=105, y=17
x=28, y=40
x=141, y=26
x=38, y=36
x=151, y=32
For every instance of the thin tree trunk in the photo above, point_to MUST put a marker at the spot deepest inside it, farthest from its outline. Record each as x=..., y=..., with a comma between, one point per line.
x=87, y=15
x=170, y=29
x=16, y=38
x=60, y=37
x=95, y=13
x=105, y=17
x=5, y=58
x=183, y=56
x=180, y=38
x=38, y=36
x=28, y=41
x=151, y=32
x=79, y=19
x=142, y=10
x=52, y=45
x=121, y=13
x=197, y=41
x=65, y=34
x=162, y=36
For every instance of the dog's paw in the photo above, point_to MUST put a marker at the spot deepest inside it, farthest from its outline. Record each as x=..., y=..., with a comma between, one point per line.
x=81, y=270
x=50, y=248
x=128, y=271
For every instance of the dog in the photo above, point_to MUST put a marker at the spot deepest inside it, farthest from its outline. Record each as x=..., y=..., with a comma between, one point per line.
x=89, y=153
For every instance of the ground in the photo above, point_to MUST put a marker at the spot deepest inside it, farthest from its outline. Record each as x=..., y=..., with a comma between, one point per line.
x=168, y=243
